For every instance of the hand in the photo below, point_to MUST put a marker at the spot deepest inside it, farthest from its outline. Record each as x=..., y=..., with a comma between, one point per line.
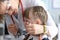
x=34, y=29
x=12, y=29
x=13, y=6
x=4, y=7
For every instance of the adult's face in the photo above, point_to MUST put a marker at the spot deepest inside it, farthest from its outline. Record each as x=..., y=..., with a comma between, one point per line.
x=2, y=7
x=14, y=7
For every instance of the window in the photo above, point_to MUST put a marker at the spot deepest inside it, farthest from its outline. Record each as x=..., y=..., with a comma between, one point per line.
x=56, y=3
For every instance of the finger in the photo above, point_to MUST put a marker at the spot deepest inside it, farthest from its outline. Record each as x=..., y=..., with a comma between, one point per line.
x=10, y=10
x=31, y=32
x=11, y=25
x=13, y=30
x=29, y=29
x=29, y=25
x=15, y=11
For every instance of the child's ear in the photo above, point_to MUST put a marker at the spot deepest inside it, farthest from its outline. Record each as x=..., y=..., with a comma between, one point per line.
x=38, y=21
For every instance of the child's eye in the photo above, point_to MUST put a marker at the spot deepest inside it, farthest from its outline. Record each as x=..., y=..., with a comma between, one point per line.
x=26, y=20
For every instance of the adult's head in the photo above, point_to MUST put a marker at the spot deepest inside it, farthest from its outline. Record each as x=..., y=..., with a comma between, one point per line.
x=12, y=5
x=2, y=6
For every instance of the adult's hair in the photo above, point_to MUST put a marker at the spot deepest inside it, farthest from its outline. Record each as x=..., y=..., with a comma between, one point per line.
x=2, y=0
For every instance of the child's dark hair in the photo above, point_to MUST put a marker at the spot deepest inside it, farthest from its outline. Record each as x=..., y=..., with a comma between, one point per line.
x=36, y=12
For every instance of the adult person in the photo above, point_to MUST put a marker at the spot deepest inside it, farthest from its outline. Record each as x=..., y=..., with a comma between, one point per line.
x=50, y=23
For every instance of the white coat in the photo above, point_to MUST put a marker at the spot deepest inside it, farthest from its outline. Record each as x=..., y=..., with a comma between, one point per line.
x=19, y=22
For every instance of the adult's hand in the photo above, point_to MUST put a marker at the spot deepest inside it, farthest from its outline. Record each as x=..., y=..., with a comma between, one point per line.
x=12, y=29
x=13, y=8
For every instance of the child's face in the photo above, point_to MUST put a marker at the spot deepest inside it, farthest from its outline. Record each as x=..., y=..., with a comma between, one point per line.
x=28, y=21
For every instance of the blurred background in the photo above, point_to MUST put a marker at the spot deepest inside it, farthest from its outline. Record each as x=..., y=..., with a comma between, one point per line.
x=53, y=8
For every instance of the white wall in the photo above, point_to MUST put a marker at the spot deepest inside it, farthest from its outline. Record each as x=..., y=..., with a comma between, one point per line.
x=55, y=13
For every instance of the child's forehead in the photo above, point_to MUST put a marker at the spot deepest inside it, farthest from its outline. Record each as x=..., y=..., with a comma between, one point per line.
x=31, y=19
